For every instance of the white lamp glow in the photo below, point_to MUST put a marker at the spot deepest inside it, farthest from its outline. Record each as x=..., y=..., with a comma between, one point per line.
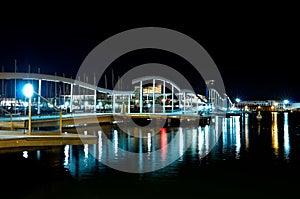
x=28, y=90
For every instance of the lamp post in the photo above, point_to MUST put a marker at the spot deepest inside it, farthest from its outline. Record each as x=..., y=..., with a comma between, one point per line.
x=237, y=100
x=28, y=92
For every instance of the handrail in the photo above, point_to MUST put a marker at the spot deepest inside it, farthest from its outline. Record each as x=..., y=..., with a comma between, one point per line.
x=58, y=109
x=10, y=116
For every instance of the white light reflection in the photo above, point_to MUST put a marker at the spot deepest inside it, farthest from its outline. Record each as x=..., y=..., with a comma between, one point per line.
x=116, y=143
x=286, y=138
x=200, y=141
x=206, y=137
x=99, y=145
x=149, y=142
x=86, y=151
x=217, y=127
x=181, y=144
x=246, y=131
x=85, y=132
x=237, y=137
x=194, y=140
x=66, y=152
x=274, y=129
x=140, y=150
x=224, y=132
x=25, y=154
x=38, y=154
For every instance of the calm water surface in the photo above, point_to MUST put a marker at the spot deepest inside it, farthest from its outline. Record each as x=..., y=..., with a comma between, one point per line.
x=235, y=157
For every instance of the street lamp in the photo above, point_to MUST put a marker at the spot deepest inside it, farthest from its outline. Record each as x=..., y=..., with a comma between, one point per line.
x=28, y=92
x=285, y=102
x=237, y=100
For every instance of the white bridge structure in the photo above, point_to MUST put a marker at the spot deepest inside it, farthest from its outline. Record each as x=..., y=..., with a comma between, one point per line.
x=158, y=96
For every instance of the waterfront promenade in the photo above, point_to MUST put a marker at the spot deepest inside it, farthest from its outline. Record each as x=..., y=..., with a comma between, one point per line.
x=14, y=133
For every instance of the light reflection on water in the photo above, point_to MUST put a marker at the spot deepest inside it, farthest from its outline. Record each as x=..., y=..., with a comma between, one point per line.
x=224, y=156
x=286, y=137
x=274, y=129
x=232, y=135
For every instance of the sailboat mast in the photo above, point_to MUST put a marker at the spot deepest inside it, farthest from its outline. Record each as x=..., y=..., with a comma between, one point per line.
x=15, y=105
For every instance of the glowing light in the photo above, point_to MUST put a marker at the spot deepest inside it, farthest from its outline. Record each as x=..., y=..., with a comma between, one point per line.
x=25, y=154
x=272, y=107
x=28, y=90
x=285, y=101
x=237, y=100
x=66, y=152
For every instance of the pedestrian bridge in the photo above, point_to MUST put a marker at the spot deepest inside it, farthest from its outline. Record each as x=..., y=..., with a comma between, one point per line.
x=74, y=96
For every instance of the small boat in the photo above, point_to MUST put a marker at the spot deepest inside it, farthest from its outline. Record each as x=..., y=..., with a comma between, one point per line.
x=259, y=116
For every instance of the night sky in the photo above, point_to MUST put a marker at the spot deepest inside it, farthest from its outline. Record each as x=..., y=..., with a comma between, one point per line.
x=256, y=51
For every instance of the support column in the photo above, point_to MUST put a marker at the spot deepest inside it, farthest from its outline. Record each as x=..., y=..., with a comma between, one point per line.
x=71, y=98
x=39, y=99
x=153, y=96
x=113, y=103
x=141, y=96
x=55, y=91
x=197, y=106
x=95, y=101
x=164, y=94
x=179, y=100
x=95, y=95
x=128, y=106
x=184, y=102
x=172, y=98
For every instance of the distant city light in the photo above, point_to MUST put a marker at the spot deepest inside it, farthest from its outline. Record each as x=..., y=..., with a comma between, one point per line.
x=28, y=90
x=286, y=101
x=237, y=100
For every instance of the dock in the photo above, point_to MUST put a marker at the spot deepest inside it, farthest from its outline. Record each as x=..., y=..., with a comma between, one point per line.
x=13, y=132
x=12, y=139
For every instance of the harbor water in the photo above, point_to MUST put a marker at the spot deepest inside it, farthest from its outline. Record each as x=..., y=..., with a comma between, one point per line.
x=235, y=157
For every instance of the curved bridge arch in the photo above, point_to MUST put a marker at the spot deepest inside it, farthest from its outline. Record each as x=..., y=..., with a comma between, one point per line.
x=222, y=103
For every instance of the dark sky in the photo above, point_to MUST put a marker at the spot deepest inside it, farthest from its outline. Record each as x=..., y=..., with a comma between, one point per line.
x=256, y=51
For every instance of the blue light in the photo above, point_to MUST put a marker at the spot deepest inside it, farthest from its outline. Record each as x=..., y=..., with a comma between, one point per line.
x=28, y=90
x=285, y=101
